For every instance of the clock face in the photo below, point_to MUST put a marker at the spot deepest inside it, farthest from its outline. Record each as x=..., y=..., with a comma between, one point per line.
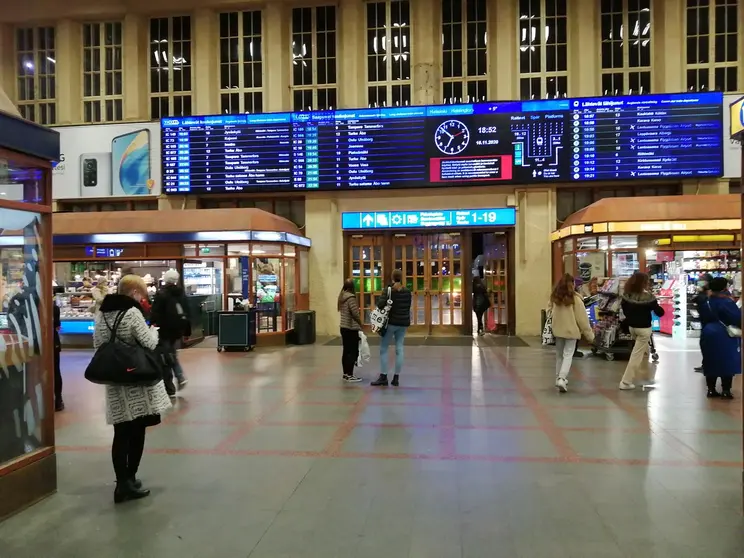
x=452, y=137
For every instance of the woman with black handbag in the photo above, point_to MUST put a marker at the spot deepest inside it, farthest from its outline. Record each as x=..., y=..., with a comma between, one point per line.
x=129, y=408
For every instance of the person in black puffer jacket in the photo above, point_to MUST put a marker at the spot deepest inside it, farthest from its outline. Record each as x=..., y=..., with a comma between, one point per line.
x=398, y=322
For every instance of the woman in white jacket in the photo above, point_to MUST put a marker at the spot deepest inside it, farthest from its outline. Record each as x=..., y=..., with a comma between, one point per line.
x=130, y=409
x=570, y=322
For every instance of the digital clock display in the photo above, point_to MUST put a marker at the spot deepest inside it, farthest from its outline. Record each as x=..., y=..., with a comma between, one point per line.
x=524, y=142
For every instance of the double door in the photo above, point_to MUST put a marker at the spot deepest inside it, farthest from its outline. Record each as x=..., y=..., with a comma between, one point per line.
x=434, y=270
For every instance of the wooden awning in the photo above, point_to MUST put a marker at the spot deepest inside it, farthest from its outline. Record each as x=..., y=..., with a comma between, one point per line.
x=174, y=221
x=659, y=208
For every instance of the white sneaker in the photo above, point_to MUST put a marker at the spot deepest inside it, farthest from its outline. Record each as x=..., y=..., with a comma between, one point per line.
x=625, y=386
x=352, y=379
x=562, y=385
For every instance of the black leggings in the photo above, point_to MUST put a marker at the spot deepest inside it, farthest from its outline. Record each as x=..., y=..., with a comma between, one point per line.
x=479, y=318
x=350, y=339
x=127, y=449
x=726, y=382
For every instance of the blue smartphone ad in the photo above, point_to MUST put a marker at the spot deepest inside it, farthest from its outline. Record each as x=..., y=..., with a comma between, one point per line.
x=130, y=157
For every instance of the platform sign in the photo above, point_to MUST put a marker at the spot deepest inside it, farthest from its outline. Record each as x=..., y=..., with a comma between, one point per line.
x=422, y=219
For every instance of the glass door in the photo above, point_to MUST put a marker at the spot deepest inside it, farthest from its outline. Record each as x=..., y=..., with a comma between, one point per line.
x=445, y=282
x=409, y=253
x=366, y=271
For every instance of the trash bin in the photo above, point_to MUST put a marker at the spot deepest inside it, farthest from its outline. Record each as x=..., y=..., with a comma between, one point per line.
x=304, y=327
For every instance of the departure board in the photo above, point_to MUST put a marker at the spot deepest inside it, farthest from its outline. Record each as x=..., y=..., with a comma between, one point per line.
x=516, y=142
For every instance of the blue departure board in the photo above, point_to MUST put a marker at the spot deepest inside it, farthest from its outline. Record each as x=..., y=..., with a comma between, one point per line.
x=430, y=218
x=516, y=142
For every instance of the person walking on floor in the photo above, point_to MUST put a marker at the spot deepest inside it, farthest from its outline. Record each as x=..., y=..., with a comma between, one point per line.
x=59, y=404
x=702, y=291
x=351, y=325
x=130, y=409
x=170, y=314
x=481, y=302
x=638, y=304
x=570, y=323
x=398, y=322
x=721, y=352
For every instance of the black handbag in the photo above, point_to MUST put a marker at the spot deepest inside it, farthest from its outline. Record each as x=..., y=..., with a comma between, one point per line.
x=121, y=364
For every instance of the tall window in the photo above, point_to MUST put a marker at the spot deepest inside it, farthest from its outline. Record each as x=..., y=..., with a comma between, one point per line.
x=241, y=62
x=626, y=47
x=36, y=74
x=102, y=72
x=170, y=66
x=712, y=45
x=389, y=53
x=464, y=56
x=314, y=58
x=543, y=49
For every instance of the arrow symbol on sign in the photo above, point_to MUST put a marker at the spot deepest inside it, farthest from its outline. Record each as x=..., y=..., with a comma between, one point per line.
x=368, y=220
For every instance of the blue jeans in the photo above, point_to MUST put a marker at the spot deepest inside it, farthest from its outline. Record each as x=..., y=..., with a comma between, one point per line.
x=393, y=332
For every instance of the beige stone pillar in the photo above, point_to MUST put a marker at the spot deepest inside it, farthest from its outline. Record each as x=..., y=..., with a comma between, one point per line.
x=276, y=55
x=584, y=39
x=69, y=72
x=533, y=275
x=323, y=226
x=503, y=44
x=426, y=48
x=205, y=53
x=706, y=186
x=7, y=67
x=668, y=36
x=352, y=63
x=136, y=37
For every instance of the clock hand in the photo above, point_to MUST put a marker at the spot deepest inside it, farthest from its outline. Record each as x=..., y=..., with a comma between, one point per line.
x=446, y=132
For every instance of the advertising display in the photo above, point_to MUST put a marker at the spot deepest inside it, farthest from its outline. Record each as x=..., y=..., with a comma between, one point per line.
x=430, y=218
x=108, y=160
x=733, y=123
x=524, y=142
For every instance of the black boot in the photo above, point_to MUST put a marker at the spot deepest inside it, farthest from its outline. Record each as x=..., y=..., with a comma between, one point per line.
x=395, y=381
x=128, y=491
x=59, y=405
x=712, y=393
x=727, y=394
x=381, y=381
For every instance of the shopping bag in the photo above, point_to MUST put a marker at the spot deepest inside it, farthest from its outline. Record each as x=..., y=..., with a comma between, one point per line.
x=547, y=335
x=380, y=316
x=364, y=352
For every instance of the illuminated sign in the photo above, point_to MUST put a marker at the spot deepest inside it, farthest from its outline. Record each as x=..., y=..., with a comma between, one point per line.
x=434, y=218
x=96, y=252
x=737, y=117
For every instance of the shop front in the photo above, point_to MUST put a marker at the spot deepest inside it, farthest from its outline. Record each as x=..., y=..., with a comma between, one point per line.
x=227, y=260
x=28, y=468
x=674, y=239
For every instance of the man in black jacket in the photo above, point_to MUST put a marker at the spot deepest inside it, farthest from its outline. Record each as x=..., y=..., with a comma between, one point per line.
x=170, y=314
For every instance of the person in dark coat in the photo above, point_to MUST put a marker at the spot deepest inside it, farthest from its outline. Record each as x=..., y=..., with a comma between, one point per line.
x=721, y=352
x=481, y=302
x=59, y=404
x=398, y=322
x=701, y=298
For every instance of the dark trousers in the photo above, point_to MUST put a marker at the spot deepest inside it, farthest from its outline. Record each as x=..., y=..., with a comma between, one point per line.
x=127, y=449
x=479, y=318
x=57, y=376
x=173, y=367
x=726, y=382
x=350, y=339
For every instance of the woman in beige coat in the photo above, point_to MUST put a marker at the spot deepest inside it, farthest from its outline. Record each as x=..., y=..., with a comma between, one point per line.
x=570, y=323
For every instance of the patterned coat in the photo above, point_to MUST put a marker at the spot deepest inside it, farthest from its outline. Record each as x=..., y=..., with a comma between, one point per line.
x=127, y=403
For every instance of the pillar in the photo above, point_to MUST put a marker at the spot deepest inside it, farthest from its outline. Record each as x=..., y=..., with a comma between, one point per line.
x=323, y=226
x=69, y=72
x=584, y=60
x=668, y=36
x=351, y=59
x=276, y=55
x=136, y=37
x=533, y=274
x=705, y=186
x=7, y=66
x=426, y=47
x=205, y=53
x=503, y=44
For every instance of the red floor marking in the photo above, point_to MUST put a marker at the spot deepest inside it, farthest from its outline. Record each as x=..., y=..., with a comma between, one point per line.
x=555, y=435
x=447, y=446
x=345, y=430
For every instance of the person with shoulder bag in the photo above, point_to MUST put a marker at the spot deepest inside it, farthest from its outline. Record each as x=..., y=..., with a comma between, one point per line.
x=351, y=325
x=129, y=408
x=399, y=319
x=570, y=322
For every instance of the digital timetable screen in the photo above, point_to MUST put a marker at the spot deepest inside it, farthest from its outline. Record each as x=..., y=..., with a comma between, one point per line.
x=515, y=142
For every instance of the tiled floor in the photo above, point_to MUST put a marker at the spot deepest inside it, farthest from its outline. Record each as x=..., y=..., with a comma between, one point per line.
x=268, y=455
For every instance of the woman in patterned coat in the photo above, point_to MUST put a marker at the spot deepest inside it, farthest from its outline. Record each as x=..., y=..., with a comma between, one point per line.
x=130, y=409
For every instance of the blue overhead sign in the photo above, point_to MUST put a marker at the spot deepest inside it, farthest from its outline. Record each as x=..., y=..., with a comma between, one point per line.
x=434, y=218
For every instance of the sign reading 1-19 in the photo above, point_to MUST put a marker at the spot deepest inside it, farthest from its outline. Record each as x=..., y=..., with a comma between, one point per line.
x=486, y=217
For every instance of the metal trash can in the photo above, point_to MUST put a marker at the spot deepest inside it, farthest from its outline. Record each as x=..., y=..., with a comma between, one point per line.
x=304, y=327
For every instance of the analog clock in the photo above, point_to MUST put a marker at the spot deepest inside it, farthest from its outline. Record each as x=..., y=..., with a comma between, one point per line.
x=452, y=137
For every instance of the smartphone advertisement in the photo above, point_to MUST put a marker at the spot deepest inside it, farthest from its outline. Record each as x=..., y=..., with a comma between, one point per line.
x=108, y=161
